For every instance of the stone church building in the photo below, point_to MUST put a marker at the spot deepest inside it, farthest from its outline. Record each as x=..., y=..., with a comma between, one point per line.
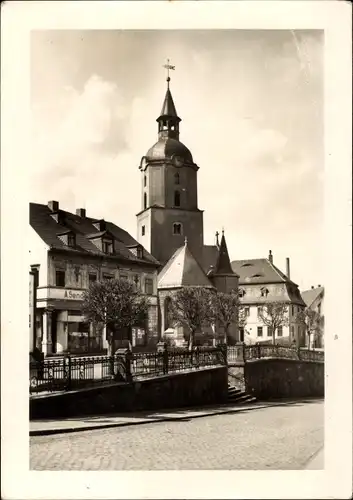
x=170, y=224
x=170, y=227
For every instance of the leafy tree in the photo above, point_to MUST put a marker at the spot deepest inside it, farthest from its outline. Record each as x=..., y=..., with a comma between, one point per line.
x=190, y=308
x=224, y=310
x=273, y=315
x=311, y=321
x=115, y=304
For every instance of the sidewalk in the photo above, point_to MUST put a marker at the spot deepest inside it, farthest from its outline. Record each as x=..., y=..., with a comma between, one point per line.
x=85, y=423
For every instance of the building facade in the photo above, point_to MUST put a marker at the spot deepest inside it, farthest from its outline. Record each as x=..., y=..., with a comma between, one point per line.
x=260, y=283
x=315, y=300
x=69, y=251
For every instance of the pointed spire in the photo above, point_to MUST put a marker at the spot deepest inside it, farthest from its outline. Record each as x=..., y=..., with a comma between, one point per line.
x=168, y=108
x=223, y=262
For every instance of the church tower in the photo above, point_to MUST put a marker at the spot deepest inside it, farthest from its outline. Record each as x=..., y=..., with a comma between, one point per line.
x=169, y=210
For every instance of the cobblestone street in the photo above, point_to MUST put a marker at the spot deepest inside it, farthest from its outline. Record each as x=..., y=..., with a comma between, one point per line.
x=278, y=437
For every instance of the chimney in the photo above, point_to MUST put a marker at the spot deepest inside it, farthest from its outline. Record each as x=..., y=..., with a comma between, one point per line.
x=270, y=257
x=287, y=268
x=81, y=212
x=53, y=205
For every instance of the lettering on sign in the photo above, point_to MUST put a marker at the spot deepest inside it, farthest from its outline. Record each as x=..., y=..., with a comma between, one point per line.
x=72, y=294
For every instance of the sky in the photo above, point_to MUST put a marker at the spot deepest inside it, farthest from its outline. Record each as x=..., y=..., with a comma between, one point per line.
x=251, y=104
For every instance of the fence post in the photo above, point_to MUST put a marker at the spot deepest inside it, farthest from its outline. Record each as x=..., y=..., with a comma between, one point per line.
x=258, y=351
x=163, y=352
x=128, y=359
x=244, y=352
x=68, y=371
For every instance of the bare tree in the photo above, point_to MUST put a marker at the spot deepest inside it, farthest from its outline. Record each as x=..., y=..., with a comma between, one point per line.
x=190, y=308
x=115, y=304
x=224, y=310
x=311, y=321
x=273, y=315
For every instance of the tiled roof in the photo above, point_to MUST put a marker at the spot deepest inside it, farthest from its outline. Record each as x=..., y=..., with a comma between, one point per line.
x=309, y=296
x=258, y=271
x=182, y=269
x=209, y=256
x=48, y=230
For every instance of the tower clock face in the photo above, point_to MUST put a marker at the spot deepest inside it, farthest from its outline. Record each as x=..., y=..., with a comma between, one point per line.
x=178, y=161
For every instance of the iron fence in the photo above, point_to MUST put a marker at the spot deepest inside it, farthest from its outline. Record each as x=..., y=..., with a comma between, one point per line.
x=175, y=360
x=243, y=353
x=69, y=373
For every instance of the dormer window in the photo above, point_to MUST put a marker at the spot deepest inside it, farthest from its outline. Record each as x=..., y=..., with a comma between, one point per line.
x=264, y=292
x=139, y=253
x=258, y=275
x=68, y=238
x=107, y=246
x=241, y=292
x=247, y=264
x=100, y=225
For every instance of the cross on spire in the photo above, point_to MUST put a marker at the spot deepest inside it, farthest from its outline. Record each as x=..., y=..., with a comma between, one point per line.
x=168, y=67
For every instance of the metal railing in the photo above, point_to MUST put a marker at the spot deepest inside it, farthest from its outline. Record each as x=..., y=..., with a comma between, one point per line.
x=69, y=373
x=243, y=353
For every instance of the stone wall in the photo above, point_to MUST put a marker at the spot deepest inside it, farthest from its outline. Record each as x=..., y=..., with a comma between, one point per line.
x=197, y=388
x=280, y=378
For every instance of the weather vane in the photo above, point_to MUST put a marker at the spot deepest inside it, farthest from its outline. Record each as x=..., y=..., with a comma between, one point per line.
x=168, y=67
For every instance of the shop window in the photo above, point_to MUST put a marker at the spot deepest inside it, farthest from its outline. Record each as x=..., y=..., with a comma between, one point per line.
x=149, y=286
x=60, y=278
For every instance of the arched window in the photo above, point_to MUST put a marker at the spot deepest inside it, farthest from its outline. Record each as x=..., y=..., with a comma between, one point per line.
x=177, y=178
x=144, y=201
x=176, y=199
x=167, y=313
x=177, y=228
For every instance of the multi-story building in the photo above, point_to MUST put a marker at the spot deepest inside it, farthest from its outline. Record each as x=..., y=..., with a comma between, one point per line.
x=261, y=282
x=67, y=252
x=314, y=300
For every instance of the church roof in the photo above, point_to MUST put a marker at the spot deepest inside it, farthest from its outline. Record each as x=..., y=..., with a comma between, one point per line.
x=223, y=263
x=181, y=270
x=166, y=147
x=48, y=230
x=168, y=108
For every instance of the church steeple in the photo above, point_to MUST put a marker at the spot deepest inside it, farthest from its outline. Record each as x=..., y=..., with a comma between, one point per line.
x=223, y=265
x=168, y=120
